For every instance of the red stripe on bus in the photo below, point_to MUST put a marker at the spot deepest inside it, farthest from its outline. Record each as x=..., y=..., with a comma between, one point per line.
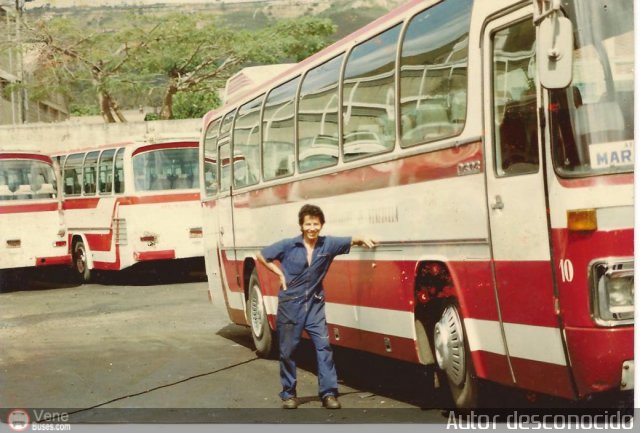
x=81, y=203
x=107, y=266
x=142, y=256
x=27, y=208
x=92, y=202
x=160, y=198
x=557, y=379
x=99, y=242
x=171, y=145
x=26, y=156
x=430, y=166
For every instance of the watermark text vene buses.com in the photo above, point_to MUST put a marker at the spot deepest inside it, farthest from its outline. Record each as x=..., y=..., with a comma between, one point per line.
x=19, y=420
x=607, y=420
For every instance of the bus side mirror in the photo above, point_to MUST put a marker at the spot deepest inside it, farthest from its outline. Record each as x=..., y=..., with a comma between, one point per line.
x=555, y=51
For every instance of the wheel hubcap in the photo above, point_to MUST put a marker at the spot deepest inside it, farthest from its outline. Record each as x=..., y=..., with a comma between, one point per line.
x=449, y=345
x=80, y=260
x=257, y=311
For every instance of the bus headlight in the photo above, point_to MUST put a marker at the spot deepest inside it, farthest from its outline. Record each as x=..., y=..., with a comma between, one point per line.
x=613, y=291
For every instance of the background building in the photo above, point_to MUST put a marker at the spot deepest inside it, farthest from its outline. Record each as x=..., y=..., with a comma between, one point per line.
x=15, y=106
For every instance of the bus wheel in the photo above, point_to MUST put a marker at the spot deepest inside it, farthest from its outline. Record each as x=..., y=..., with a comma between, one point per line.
x=453, y=358
x=263, y=336
x=80, y=263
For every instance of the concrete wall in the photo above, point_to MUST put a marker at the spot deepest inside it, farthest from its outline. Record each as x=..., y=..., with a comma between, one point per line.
x=56, y=137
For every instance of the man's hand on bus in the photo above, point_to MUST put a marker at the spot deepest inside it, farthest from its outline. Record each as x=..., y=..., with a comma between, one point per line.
x=275, y=269
x=364, y=241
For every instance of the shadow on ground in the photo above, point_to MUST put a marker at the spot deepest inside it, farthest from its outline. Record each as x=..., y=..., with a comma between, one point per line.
x=416, y=385
x=141, y=274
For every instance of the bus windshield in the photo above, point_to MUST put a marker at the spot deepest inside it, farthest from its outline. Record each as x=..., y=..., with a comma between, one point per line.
x=592, y=119
x=26, y=179
x=166, y=169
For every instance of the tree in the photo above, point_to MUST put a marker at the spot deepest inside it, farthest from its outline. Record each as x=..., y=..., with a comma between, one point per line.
x=197, y=54
x=296, y=39
x=69, y=52
x=159, y=57
x=190, y=54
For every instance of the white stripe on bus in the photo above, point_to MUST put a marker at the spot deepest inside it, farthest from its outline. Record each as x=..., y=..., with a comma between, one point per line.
x=536, y=343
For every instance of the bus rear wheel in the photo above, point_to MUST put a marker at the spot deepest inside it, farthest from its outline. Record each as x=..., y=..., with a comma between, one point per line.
x=80, y=262
x=263, y=336
x=454, y=358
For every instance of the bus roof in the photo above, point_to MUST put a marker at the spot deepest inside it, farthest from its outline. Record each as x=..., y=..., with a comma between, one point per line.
x=146, y=140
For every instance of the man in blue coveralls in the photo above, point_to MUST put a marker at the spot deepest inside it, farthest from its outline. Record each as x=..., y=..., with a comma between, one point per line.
x=304, y=262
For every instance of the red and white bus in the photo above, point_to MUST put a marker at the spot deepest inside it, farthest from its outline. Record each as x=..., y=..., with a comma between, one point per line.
x=32, y=229
x=132, y=202
x=488, y=147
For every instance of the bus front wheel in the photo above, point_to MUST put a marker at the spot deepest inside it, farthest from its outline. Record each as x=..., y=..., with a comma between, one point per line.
x=263, y=336
x=453, y=358
x=80, y=262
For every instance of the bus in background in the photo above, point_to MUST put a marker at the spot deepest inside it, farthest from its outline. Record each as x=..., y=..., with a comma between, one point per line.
x=132, y=202
x=488, y=147
x=32, y=229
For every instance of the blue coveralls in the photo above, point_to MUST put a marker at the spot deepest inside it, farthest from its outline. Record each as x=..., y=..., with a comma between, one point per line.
x=301, y=307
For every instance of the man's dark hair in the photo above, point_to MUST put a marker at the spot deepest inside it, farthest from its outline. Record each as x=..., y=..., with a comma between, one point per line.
x=311, y=210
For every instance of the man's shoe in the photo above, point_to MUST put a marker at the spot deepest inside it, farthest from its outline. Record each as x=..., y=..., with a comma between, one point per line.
x=331, y=402
x=290, y=403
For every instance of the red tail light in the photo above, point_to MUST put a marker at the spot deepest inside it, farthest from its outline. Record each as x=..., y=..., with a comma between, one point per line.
x=60, y=244
x=148, y=238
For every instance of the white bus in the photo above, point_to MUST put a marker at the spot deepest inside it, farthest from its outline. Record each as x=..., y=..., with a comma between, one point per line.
x=488, y=146
x=132, y=202
x=32, y=229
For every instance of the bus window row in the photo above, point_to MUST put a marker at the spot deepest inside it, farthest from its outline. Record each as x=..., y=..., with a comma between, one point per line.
x=102, y=172
x=360, y=86
x=92, y=173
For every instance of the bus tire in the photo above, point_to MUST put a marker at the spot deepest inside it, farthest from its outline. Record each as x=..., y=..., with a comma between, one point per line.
x=263, y=336
x=453, y=358
x=80, y=262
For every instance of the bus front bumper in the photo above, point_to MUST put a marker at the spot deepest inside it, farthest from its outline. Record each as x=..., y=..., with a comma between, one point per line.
x=602, y=359
x=55, y=260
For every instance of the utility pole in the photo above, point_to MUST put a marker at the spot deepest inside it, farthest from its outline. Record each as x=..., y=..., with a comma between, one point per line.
x=22, y=94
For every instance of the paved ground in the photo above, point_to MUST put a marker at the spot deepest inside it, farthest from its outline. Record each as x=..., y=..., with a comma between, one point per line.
x=123, y=350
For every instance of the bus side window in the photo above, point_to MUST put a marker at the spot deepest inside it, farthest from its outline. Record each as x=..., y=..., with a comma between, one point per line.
x=72, y=174
x=318, y=110
x=210, y=158
x=105, y=172
x=225, y=159
x=514, y=100
x=89, y=173
x=368, y=106
x=278, y=136
x=433, y=73
x=246, y=143
x=224, y=155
